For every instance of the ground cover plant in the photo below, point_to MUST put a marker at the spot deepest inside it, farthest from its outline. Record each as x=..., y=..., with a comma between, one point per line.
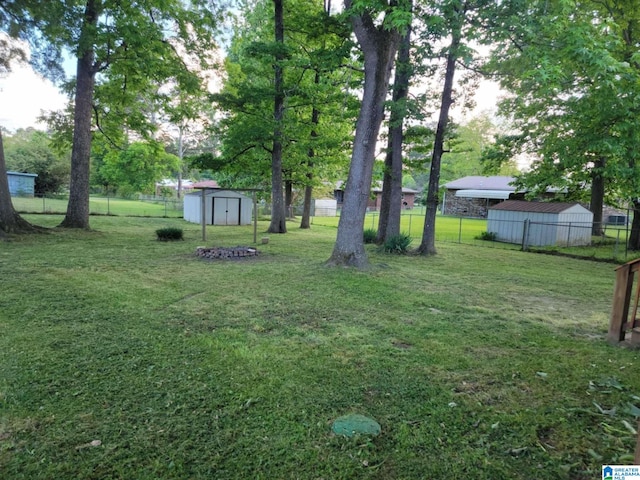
x=167, y=234
x=124, y=357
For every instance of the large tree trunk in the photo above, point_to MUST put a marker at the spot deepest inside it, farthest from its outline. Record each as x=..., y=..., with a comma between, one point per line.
x=379, y=48
x=597, y=196
x=288, y=198
x=278, y=211
x=634, y=235
x=428, y=244
x=315, y=120
x=77, y=215
x=305, y=221
x=10, y=220
x=391, y=202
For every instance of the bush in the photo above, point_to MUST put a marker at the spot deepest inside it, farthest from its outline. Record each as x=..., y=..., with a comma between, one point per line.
x=488, y=236
x=169, y=234
x=397, y=243
x=370, y=235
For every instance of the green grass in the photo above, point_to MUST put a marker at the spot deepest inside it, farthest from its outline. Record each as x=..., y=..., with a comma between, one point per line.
x=478, y=363
x=101, y=206
x=468, y=230
x=448, y=229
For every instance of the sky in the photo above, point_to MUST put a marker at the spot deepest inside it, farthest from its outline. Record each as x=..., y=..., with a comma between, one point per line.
x=23, y=94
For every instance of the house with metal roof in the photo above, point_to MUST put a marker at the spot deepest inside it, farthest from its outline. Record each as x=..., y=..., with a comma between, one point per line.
x=540, y=223
x=472, y=196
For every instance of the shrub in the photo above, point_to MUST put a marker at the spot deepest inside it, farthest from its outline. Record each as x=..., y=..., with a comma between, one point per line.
x=397, y=243
x=370, y=235
x=169, y=234
x=488, y=236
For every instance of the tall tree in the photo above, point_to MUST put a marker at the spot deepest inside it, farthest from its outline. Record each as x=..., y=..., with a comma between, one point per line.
x=457, y=12
x=278, y=222
x=390, y=205
x=77, y=215
x=10, y=220
x=378, y=26
x=574, y=73
x=316, y=119
x=128, y=45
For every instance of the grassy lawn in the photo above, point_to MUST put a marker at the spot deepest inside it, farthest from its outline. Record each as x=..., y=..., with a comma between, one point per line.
x=611, y=247
x=448, y=229
x=101, y=206
x=124, y=357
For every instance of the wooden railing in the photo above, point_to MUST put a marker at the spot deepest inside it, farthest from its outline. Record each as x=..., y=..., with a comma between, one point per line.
x=624, y=313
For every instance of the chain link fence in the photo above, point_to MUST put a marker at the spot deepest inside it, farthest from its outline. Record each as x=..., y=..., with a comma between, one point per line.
x=146, y=206
x=568, y=238
x=573, y=239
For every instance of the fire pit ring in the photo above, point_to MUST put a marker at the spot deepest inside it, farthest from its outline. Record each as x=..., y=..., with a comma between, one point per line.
x=215, y=253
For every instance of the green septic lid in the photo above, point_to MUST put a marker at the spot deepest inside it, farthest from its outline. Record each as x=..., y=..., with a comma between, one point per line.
x=354, y=423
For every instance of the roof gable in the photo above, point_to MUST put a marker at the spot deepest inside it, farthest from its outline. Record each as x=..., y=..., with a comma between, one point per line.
x=535, y=207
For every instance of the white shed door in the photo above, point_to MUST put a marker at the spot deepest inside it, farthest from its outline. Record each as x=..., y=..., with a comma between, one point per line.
x=226, y=211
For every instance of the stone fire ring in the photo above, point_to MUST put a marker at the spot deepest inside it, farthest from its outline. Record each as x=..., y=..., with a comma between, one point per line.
x=215, y=253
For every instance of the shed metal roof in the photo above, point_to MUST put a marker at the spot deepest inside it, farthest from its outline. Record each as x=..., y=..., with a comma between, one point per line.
x=534, y=207
x=22, y=174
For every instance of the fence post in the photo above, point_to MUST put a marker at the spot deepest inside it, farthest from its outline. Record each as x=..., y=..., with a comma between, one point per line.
x=460, y=231
x=569, y=235
x=626, y=238
x=525, y=234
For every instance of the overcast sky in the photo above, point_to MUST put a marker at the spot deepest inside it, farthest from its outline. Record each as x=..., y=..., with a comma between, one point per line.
x=23, y=94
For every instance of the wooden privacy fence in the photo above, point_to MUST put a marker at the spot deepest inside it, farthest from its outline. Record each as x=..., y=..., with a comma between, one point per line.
x=624, y=314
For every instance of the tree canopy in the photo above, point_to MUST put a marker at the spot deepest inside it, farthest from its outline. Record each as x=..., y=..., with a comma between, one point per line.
x=316, y=114
x=30, y=150
x=573, y=71
x=125, y=52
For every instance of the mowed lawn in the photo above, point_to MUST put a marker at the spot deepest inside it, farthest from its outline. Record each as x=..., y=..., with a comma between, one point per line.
x=122, y=357
x=102, y=206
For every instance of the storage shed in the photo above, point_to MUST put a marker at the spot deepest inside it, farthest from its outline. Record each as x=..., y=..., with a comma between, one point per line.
x=540, y=223
x=21, y=184
x=326, y=207
x=222, y=207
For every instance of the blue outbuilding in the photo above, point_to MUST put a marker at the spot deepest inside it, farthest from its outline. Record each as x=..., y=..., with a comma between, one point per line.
x=21, y=184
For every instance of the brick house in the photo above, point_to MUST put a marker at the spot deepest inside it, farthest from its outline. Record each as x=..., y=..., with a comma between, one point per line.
x=375, y=200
